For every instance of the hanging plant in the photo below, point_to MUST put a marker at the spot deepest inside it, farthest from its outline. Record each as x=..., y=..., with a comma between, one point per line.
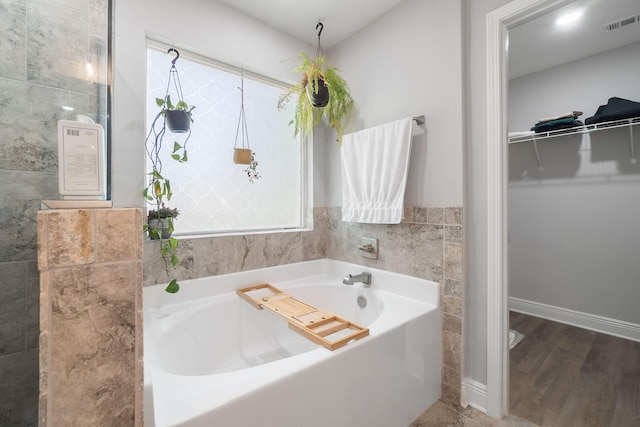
x=160, y=218
x=321, y=92
x=251, y=170
x=160, y=222
x=242, y=153
x=178, y=117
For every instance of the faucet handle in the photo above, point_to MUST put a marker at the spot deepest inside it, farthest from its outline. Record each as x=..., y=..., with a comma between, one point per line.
x=368, y=248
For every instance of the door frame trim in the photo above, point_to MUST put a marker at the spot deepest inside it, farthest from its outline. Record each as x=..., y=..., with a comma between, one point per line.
x=498, y=23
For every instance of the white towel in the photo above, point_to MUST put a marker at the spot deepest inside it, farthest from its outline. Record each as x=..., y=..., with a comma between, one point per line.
x=375, y=163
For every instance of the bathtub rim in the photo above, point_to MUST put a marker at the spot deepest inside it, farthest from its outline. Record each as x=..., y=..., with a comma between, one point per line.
x=155, y=297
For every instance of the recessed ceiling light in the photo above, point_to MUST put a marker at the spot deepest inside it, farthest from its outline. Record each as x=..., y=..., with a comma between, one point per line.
x=569, y=18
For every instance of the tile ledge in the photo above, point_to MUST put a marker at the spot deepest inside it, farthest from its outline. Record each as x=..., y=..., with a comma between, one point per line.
x=75, y=204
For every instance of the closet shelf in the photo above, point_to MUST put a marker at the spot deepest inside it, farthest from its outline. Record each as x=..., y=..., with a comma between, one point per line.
x=579, y=130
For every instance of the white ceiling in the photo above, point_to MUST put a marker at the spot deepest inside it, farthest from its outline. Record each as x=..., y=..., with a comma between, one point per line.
x=540, y=43
x=534, y=46
x=341, y=18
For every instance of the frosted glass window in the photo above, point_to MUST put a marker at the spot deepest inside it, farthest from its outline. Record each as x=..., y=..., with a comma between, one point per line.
x=212, y=193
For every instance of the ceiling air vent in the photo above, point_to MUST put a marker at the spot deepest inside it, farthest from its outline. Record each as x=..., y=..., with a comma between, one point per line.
x=621, y=22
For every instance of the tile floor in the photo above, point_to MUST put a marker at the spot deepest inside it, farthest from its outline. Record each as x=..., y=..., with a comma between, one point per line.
x=442, y=415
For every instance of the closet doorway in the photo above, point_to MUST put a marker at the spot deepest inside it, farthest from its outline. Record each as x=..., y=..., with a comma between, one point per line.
x=499, y=24
x=573, y=223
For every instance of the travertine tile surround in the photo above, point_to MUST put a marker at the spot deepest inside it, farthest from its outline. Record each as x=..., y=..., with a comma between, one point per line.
x=90, y=265
x=427, y=244
x=210, y=256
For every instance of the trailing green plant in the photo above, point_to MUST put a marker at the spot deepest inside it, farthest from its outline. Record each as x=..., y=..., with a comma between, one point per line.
x=156, y=193
x=166, y=104
x=163, y=213
x=158, y=189
x=252, y=169
x=307, y=116
x=168, y=248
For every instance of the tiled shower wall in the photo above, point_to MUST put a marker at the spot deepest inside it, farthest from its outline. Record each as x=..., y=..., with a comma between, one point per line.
x=45, y=46
x=427, y=244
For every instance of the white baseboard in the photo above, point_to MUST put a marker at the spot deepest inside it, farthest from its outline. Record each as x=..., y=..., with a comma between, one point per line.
x=475, y=394
x=592, y=322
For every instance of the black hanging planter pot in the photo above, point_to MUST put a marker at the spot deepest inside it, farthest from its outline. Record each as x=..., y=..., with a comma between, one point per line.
x=178, y=121
x=319, y=97
x=161, y=228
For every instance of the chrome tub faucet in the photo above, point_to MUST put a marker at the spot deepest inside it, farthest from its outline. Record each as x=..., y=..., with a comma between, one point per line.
x=363, y=277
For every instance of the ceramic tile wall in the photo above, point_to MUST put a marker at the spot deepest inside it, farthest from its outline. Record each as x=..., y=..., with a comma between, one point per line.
x=210, y=256
x=43, y=68
x=427, y=244
x=90, y=265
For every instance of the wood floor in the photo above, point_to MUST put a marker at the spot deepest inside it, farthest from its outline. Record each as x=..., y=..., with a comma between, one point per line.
x=565, y=376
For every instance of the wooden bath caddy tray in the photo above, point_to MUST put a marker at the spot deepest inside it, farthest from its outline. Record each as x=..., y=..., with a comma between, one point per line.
x=322, y=327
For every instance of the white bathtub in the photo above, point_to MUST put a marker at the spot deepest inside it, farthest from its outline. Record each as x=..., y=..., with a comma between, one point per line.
x=211, y=359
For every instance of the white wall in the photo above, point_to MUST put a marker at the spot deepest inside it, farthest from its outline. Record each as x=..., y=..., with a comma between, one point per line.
x=205, y=27
x=580, y=85
x=575, y=226
x=404, y=50
x=407, y=63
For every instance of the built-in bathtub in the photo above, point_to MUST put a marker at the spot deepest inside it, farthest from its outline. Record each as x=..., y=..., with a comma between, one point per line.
x=211, y=359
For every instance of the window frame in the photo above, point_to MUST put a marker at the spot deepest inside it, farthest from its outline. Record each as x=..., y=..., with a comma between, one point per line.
x=305, y=218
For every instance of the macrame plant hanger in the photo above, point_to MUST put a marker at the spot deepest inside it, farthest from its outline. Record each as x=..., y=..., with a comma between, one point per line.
x=242, y=153
x=317, y=89
x=178, y=115
x=174, y=76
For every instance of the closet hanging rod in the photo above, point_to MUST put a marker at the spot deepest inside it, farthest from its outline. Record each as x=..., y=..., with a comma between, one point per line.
x=419, y=120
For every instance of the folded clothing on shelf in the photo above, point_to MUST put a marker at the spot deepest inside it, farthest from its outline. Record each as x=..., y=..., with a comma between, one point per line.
x=615, y=109
x=564, y=123
x=570, y=114
x=521, y=134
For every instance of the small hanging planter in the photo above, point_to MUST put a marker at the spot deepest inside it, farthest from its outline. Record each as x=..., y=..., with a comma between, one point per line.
x=242, y=154
x=177, y=117
x=178, y=121
x=318, y=93
x=159, y=229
